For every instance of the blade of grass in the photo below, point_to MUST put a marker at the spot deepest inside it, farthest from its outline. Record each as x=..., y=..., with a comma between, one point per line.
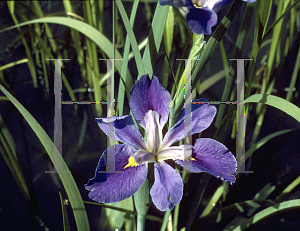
x=213, y=201
x=9, y=156
x=238, y=53
x=264, y=140
x=168, y=39
x=30, y=64
x=272, y=210
x=66, y=177
x=9, y=65
x=101, y=41
x=289, y=188
x=166, y=220
x=92, y=58
x=289, y=95
x=134, y=45
x=274, y=48
x=276, y=102
x=149, y=217
x=208, y=83
x=76, y=40
x=210, y=47
x=126, y=57
x=155, y=37
x=230, y=212
x=279, y=18
x=66, y=224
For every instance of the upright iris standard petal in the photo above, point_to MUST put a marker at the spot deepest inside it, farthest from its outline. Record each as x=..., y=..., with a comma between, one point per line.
x=153, y=130
x=167, y=189
x=124, y=130
x=212, y=157
x=202, y=116
x=200, y=21
x=148, y=95
x=114, y=187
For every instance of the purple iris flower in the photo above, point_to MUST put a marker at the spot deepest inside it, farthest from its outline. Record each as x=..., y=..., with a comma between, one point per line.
x=149, y=103
x=201, y=16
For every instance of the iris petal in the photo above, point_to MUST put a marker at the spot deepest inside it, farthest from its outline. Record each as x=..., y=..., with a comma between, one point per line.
x=182, y=152
x=201, y=20
x=143, y=157
x=202, y=116
x=148, y=95
x=212, y=157
x=174, y=3
x=153, y=130
x=167, y=189
x=114, y=187
x=123, y=129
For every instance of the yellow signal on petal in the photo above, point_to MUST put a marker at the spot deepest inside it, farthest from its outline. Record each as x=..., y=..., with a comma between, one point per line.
x=131, y=163
x=190, y=158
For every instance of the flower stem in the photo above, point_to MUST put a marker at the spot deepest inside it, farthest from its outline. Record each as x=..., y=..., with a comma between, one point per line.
x=141, y=220
x=141, y=201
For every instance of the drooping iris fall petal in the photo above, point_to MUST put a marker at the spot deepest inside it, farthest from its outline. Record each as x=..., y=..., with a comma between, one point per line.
x=212, y=157
x=114, y=187
x=167, y=189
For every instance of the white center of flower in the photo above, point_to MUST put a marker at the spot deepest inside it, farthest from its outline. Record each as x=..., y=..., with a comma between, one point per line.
x=204, y=3
x=153, y=131
x=155, y=152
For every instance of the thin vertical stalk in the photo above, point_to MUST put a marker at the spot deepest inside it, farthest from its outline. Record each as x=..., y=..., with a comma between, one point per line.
x=76, y=40
x=92, y=59
x=141, y=201
x=289, y=95
x=128, y=82
x=11, y=7
x=261, y=109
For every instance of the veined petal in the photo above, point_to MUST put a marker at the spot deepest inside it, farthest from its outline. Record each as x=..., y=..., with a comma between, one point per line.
x=201, y=20
x=181, y=153
x=202, y=117
x=212, y=157
x=167, y=189
x=123, y=129
x=174, y=3
x=148, y=95
x=114, y=187
x=153, y=131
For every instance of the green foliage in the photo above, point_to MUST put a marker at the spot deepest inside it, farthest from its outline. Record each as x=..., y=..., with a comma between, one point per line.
x=156, y=37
